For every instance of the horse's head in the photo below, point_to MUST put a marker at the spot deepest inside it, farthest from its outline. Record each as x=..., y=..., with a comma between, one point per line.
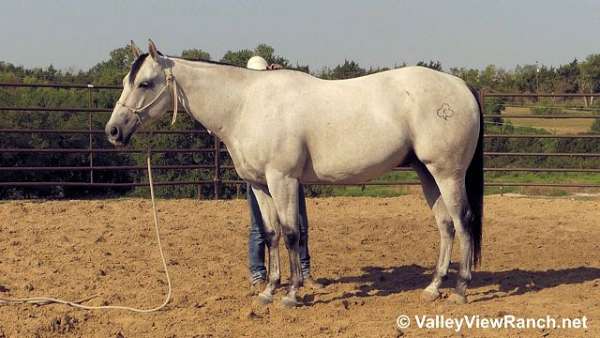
x=145, y=95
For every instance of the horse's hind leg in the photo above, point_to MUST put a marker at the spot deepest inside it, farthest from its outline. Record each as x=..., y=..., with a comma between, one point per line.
x=445, y=227
x=272, y=235
x=452, y=189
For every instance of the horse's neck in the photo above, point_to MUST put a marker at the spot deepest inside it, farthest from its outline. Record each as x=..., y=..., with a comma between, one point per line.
x=213, y=93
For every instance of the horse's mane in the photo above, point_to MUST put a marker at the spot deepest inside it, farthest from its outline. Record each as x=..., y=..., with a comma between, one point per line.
x=229, y=64
x=206, y=61
x=137, y=64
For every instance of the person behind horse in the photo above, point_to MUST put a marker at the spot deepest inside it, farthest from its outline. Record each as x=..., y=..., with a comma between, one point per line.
x=256, y=240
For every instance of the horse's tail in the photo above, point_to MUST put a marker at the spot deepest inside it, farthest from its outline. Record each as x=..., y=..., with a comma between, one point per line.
x=474, y=185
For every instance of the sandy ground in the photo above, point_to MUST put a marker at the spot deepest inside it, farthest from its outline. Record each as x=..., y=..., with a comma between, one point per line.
x=541, y=257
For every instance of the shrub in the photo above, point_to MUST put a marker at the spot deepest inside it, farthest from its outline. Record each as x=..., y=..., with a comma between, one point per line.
x=545, y=110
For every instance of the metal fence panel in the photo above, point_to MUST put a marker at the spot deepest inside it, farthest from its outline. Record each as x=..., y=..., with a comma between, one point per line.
x=217, y=166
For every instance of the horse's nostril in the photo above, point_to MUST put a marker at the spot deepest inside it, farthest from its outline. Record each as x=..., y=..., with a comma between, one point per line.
x=114, y=132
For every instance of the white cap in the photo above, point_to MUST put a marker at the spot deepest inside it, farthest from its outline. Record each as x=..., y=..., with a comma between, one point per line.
x=257, y=63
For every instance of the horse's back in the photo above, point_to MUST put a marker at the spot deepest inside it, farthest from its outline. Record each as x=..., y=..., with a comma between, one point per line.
x=354, y=130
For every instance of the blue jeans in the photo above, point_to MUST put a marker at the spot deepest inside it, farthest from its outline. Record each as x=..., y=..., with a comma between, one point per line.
x=257, y=242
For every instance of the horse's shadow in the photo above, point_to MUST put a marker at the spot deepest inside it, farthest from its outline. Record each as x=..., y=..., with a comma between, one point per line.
x=379, y=281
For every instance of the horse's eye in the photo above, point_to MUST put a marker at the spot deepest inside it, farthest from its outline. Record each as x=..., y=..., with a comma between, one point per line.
x=145, y=84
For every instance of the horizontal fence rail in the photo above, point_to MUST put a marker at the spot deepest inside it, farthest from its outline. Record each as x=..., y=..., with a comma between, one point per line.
x=217, y=151
x=58, y=85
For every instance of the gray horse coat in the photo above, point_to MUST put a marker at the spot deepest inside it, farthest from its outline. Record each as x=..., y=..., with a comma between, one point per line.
x=284, y=127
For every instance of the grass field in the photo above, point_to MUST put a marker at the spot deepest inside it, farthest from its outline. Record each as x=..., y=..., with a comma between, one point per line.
x=554, y=126
x=513, y=177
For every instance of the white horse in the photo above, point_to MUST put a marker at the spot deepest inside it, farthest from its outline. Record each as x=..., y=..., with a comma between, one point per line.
x=284, y=127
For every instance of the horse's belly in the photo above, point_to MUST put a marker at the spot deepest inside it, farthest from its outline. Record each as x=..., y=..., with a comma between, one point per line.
x=355, y=163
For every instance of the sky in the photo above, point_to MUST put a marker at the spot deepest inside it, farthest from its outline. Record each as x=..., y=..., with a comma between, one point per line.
x=70, y=34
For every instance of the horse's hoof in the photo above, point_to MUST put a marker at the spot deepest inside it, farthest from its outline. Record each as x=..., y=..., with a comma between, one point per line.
x=455, y=298
x=429, y=297
x=265, y=298
x=290, y=302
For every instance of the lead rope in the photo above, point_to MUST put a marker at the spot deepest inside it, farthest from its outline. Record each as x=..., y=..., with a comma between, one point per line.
x=50, y=300
x=175, y=97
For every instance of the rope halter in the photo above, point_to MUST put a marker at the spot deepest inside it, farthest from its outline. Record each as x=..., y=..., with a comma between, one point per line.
x=170, y=82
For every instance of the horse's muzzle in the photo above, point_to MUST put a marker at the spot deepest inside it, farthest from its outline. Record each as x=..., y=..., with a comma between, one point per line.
x=114, y=134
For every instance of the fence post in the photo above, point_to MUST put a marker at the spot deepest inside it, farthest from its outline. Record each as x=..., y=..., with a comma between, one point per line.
x=91, y=141
x=482, y=100
x=195, y=155
x=216, y=175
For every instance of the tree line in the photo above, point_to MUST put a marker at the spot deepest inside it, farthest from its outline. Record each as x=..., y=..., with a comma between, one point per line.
x=578, y=76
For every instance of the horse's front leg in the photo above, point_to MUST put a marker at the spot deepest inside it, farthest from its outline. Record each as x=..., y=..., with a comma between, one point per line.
x=284, y=191
x=272, y=232
x=272, y=238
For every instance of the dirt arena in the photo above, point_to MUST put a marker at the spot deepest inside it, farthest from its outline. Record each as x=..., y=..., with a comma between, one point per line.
x=540, y=257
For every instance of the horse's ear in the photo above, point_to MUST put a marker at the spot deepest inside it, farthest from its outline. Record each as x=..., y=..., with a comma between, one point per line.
x=135, y=50
x=152, y=50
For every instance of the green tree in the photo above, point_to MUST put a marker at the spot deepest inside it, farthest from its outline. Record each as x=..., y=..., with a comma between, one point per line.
x=114, y=69
x=349, y=69
x=487, y=77
x=195, y=54
x=589, y=77
x=239, y=58
x=596, y=126
x=373, y=70
x=526, y=78
x=265, y=51
x=435, y=65
x=470, y=76
x=268, y=53
x=574, y=77
x=568, y=76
